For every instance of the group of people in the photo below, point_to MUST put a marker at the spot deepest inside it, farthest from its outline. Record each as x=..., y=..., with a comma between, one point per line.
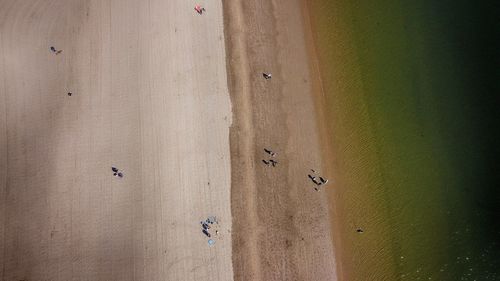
x=270, y=161
x=207, y=225
x=318, y=180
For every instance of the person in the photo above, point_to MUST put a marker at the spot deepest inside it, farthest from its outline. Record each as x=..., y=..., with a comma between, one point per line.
x=70, y=93
x=53, y=49
x=205, y=226
x=114, y=169
x=270, y=152
x=266, y=162
x=313, y=178
x=120, y=174
x=273, y=162
x=199, y=9
x=267, y=76
x=323, y=180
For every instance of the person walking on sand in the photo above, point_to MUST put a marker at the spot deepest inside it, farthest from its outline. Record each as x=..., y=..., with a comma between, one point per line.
x=313, y=179
x=270, y=152
x=273, y=162
x=266, y=162
x=267, y=76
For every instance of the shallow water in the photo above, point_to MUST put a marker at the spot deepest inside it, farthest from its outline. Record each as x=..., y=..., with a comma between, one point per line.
x=412, y=110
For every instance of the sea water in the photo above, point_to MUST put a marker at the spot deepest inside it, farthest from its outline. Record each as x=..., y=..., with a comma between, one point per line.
x=413, y=111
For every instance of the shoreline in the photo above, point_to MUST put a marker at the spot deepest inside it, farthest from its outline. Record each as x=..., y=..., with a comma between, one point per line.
x=281, y=226
x=325, y=140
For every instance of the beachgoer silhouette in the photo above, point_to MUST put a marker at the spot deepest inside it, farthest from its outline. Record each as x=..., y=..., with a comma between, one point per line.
x=70, y=93
x=267, y=76
x=270, y=152
x=265, y=162
x=313, y=179
x=323, y=180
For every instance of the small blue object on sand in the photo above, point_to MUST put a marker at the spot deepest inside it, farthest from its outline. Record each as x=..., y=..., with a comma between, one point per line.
x=211, y=242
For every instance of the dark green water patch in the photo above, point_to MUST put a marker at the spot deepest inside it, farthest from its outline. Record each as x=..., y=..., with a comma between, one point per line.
x=429, y=72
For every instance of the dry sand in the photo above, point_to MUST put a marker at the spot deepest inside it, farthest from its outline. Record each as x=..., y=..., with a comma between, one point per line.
x=149, y=96
x=281, y=226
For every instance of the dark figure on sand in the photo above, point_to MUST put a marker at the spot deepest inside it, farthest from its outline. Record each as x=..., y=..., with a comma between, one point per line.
x=270, y=152
x=70, y=93
x=323, y=181
x=199, y=9
x=116, y=172
x=267, y=76
x=314, y=179
x=53, y=49
x=205, y=225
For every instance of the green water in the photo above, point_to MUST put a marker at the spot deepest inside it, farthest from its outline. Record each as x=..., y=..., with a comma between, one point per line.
x=412, y=92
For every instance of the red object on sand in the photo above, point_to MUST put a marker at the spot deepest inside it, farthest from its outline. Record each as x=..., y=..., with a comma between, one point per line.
x=198, y=8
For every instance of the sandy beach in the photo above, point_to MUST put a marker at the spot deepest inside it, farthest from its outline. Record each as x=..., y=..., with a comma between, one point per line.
x=175, y=100
x=281, y=226
x=149, y=96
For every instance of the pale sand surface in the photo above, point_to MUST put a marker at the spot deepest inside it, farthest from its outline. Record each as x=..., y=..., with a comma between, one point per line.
x=281, y=226
x=149, y=96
